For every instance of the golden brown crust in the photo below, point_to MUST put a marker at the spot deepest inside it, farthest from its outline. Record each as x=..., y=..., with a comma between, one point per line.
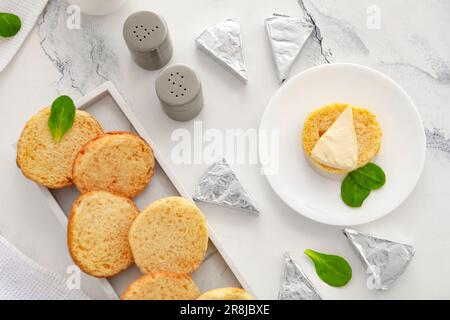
x=368, y=133
x=226, y=294
x=119, y=162
x=49, y=163
x=123, y=257
x=162, y=286
x=171, y=234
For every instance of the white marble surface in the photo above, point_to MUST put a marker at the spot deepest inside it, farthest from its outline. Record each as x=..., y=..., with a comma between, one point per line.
x=412, y=47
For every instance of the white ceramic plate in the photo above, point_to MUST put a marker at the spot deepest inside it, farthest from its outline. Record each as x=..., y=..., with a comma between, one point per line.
x=402, y=154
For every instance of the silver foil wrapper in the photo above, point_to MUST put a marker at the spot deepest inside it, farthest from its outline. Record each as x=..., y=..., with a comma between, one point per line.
x=224, y=44
x=294, y=284
x=385, y=260
x=287, y=35
x=220, y=185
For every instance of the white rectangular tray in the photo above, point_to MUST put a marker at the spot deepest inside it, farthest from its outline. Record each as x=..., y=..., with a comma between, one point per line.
x=114, y=114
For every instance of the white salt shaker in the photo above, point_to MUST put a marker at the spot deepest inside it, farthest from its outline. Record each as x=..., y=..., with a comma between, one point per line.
x=180, y=92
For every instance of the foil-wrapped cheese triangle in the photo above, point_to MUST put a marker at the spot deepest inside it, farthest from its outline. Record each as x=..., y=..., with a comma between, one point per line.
x=220, y=185
x=294, y=283
x=224, y=44
x=385, y=260
x=287, y=35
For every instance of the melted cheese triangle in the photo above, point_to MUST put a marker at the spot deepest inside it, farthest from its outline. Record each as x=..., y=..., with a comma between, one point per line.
x=338, y=148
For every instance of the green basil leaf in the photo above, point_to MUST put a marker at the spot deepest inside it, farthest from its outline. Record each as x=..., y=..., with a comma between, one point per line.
x=352, y=193
x=370, y=176
x=333, y=270
x=62, y=116
x=10, y=24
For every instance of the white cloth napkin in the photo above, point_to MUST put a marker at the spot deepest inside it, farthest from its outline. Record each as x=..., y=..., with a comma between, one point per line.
x=28, y=12
x=23, y=279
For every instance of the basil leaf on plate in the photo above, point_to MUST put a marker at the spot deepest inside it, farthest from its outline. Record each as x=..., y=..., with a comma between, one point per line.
x=332, y=269
x=352, y=193
x=370, y=176
x=62, y=116
x=10, y=24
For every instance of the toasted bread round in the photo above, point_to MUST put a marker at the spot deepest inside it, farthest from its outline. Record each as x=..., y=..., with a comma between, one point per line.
x=368, y=133
x=169, y=235
x=162, y=286
x=47, y=162
x=226, y=294
x=97, y=234
x=119, y=162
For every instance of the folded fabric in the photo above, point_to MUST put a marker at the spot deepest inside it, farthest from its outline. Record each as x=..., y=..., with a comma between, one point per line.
x=23, y=279
x=28, y=11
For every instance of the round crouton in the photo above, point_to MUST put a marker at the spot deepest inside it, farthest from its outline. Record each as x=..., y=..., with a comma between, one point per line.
x=118, y=162
x=47, y=162
x=162, y=286
x=226, y=294
x=97, y=233
x=368, y=133
x=169, y=235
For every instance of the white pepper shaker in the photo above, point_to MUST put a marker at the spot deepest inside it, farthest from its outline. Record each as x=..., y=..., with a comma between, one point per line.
x=147, y=36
